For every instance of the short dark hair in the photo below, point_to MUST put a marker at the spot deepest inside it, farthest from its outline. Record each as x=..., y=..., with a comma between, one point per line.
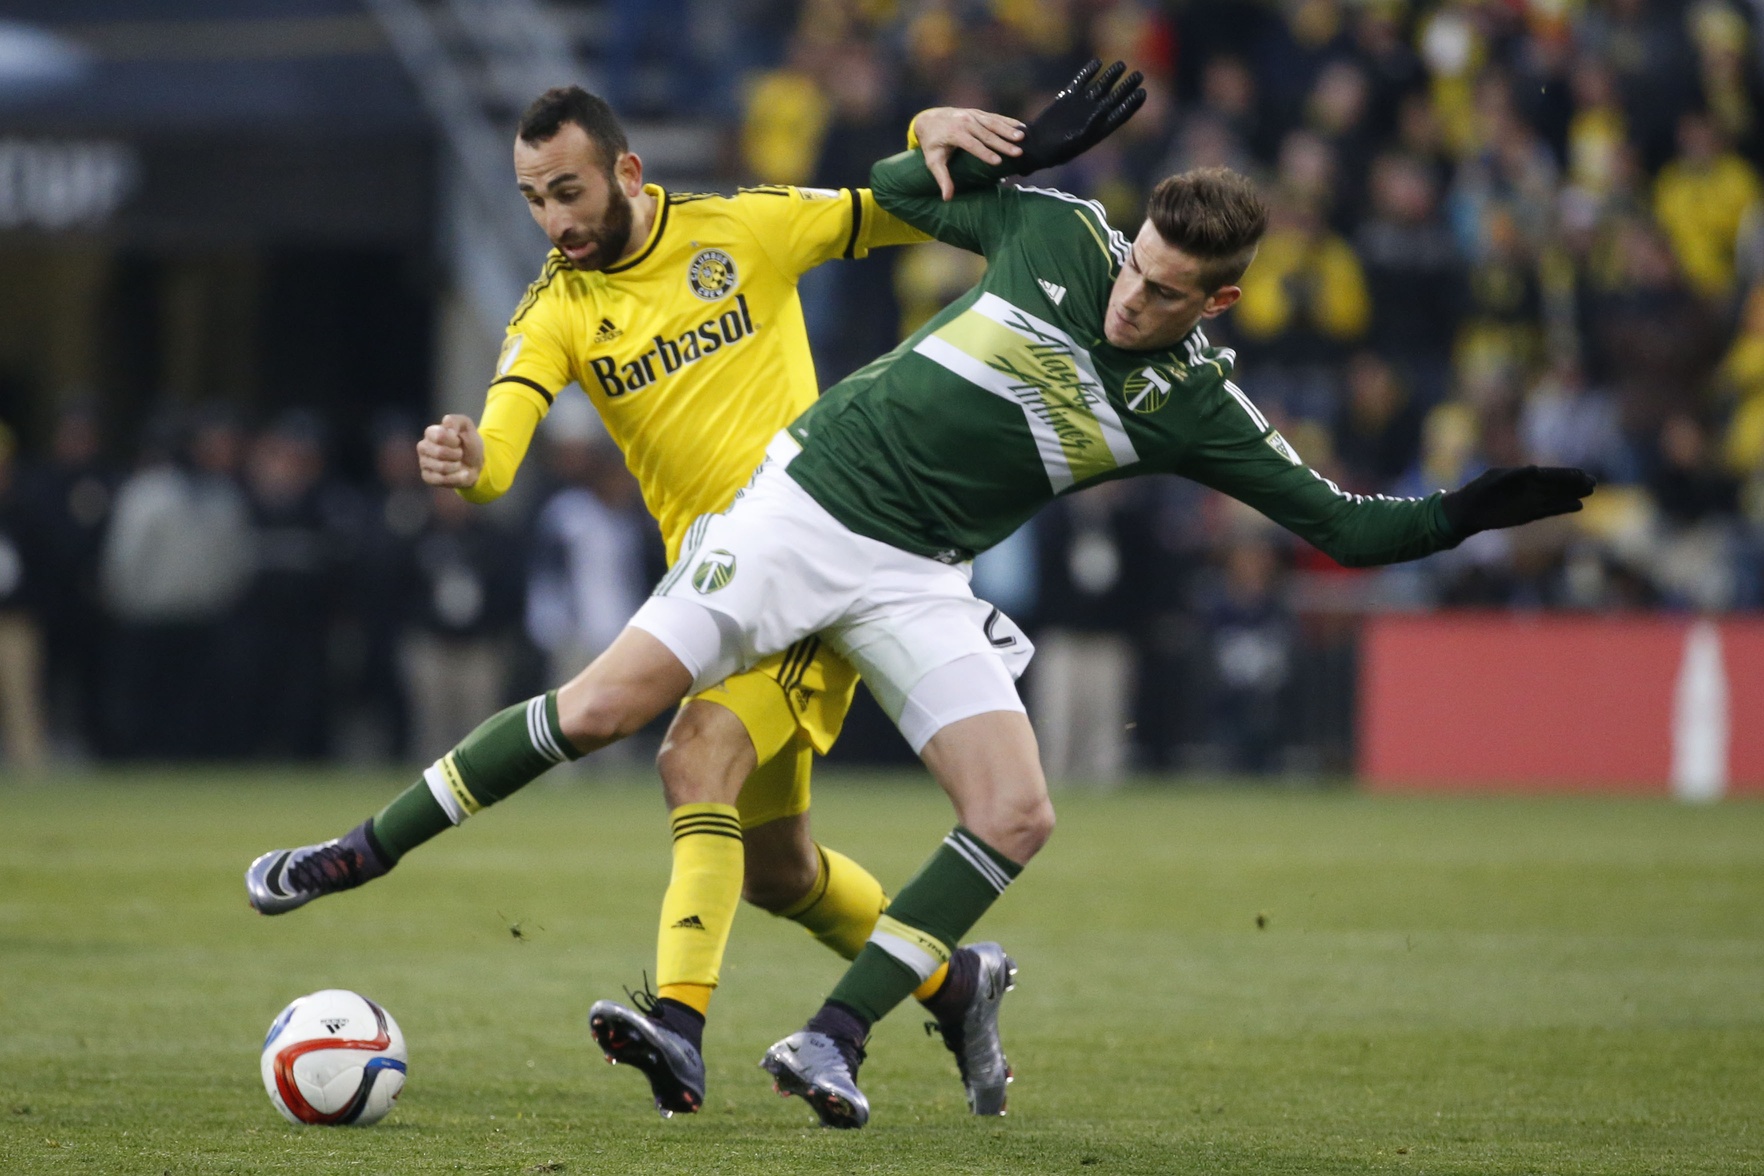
x=572, y=104
x=1212, y=214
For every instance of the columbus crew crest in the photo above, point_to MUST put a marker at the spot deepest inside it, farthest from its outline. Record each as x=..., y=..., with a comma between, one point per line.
x=1146, y=390
x=714, y=571
x=711, y=274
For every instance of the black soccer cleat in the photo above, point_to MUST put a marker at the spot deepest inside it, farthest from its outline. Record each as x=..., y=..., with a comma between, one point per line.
x=284, y=879
x=972, y=1033
x=812, y=1066
x=672, y=1064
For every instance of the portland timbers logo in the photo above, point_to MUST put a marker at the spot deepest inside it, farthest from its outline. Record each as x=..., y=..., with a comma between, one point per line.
x=711, y=274
x=1146, y=390
x=714, y=571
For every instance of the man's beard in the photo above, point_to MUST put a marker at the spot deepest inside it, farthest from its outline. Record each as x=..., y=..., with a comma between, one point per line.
x=614, y=234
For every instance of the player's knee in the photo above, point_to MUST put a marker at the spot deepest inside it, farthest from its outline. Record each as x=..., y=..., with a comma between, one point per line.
x=592, y=719
x=777, y=884
x=703, y=762
x=782, y=864
x=1019, y=825
x=684, y=777
x=1033, y=824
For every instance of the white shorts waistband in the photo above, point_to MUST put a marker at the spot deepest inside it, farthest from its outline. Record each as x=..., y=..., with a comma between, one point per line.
x=783, y=449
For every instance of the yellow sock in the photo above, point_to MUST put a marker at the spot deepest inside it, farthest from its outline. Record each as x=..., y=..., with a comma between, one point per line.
x=696, y=996
x=929, y=988
x=842, y=906
x=699, y=908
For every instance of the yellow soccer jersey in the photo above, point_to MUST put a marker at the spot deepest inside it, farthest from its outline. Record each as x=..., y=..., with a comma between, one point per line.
x=693, y=351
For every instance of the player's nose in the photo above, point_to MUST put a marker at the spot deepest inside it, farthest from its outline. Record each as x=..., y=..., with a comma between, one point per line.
x=558, y=225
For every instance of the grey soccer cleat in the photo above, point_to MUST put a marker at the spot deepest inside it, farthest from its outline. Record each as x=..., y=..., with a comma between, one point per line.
x=284, y=879
x=671, y=1063
x=812, y=1066
x=973, y=1037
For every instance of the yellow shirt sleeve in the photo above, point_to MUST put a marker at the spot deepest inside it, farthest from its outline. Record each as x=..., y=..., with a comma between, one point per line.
x=799, y=228
x=533, y=367
x=507, y=428
x=885, y=228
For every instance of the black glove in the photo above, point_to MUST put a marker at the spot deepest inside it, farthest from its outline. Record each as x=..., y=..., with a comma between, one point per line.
x=1510, y=497
x=1080, y=116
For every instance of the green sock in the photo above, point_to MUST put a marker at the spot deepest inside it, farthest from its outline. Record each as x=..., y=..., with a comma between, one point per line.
x=924, y=924
x=505, y=753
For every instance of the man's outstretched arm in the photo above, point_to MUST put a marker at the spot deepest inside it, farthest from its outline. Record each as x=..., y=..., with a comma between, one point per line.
x=1257, y=467
x=946, y=190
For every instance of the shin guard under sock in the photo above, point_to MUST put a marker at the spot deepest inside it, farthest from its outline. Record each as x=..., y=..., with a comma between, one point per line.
x=841, y=908
x=699, y=908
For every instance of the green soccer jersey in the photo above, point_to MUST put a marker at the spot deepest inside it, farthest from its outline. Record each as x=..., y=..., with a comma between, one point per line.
x=1012, y=395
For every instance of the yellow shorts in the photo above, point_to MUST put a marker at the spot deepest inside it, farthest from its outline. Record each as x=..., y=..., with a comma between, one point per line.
x=793, y=705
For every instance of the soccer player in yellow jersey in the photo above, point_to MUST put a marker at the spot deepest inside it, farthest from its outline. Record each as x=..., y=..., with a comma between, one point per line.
x=677, y=314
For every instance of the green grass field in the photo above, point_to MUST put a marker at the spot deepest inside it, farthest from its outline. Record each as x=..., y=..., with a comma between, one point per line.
x=1489, y=986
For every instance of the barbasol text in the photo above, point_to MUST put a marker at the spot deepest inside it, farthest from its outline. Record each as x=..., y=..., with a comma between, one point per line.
x=670, y=355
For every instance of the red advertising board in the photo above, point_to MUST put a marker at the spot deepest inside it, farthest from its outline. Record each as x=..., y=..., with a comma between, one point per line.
x=1466, y=701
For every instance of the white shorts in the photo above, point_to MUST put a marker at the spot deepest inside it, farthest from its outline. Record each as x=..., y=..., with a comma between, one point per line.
x=776, y=567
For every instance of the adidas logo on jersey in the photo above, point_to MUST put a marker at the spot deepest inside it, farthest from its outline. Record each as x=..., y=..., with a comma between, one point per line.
x=670, y=355
x=1054, y=293
x=607, y=332
x=690, y=923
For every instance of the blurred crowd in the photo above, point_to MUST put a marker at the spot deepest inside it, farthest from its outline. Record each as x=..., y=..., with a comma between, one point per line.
x=228, y=596
x=1503, y=231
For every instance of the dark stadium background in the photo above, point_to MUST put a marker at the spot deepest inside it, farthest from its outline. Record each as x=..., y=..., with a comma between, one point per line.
x=254, y=246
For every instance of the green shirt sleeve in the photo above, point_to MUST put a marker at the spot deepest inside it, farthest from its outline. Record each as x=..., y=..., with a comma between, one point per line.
x=976, y=220
x=1242, y=456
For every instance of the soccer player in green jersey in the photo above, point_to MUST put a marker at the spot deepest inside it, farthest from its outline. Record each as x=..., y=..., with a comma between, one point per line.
x=1079, y=358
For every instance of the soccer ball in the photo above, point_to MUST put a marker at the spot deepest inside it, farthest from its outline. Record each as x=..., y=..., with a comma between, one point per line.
x=334, y=1058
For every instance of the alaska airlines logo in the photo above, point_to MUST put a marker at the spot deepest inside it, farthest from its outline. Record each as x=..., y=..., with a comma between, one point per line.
x=1045, y=374
x=1044, y=371
x=670, y=355
x=711, y=274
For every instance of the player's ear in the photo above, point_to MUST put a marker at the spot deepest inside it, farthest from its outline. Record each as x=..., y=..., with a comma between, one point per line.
x=628, y=171
x=1221, y=300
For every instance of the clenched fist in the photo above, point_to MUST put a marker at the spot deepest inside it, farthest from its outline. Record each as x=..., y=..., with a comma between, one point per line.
x=451, y=453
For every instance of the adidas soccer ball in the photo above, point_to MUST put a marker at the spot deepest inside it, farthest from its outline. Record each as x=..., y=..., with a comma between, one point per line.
x=334, y=1058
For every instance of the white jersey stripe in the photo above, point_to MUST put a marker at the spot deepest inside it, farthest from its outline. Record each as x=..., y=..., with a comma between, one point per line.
x=1047, y=442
